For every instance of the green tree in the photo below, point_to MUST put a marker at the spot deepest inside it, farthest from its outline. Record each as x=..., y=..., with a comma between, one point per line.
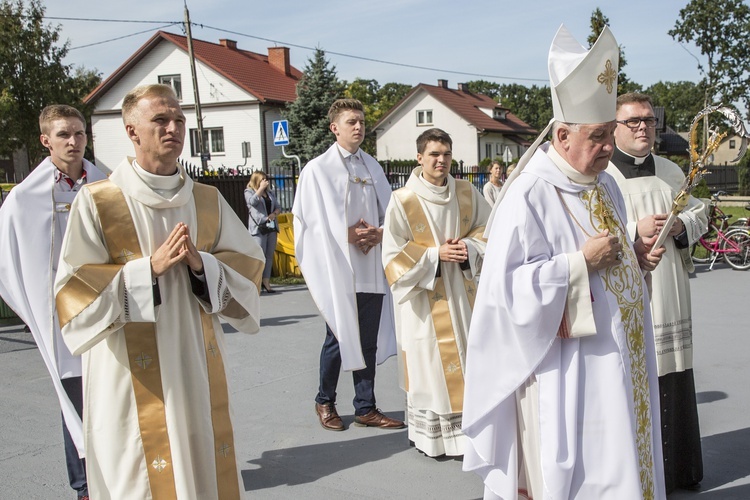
x=681, y=101
x=721, y=30
x=490, y=89
x=32, y=75
x=743, y=173
x=309, y=130
x=531, y=104
x=624, y=84
x=377, y=101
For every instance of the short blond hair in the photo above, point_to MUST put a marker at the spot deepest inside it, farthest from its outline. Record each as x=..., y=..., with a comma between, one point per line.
x=255, y=179
x=132, y=98
x=56, y=112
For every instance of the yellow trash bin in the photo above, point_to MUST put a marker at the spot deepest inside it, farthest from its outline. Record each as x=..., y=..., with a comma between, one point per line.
x=284, y=262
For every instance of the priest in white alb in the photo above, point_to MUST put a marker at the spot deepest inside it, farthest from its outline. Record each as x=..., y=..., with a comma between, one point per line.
x=649, y=184
x=561, y=389
x=433, y=249
x=149, y=264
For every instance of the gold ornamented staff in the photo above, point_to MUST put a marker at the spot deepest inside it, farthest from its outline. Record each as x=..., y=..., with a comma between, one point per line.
x=698, y=161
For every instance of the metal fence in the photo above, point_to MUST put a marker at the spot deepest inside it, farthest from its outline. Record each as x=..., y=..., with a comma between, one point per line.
x=232, y=183
x=723, y=178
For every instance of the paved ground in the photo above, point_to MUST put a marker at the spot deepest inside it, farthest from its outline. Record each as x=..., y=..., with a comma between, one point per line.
x=284, y=452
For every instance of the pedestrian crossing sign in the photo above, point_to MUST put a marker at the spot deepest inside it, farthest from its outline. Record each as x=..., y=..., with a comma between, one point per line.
x=281, y=133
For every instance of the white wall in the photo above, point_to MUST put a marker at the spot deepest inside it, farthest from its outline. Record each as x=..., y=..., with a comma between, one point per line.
x=241, y=121
x=397, y=140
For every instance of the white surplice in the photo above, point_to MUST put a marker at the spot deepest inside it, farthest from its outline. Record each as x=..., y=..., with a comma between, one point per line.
x=324, y=254
x=592, y=399
x=32, y=223
x=670, y=300
x=116, y=464
x=434, y=423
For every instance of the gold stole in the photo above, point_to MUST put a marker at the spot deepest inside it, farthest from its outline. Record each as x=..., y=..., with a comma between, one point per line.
x=625, y=282
x=423, y=238
x=86, y=285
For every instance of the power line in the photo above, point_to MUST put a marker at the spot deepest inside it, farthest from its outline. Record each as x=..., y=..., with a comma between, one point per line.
x=110, y=20
x=124, y=36
x=404, y=65
x=279, y=42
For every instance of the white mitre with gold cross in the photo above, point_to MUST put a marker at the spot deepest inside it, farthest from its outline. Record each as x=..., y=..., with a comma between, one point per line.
x=584, y=89
x=583, y=82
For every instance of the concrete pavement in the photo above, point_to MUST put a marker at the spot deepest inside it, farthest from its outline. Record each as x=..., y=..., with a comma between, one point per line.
x=283, y=451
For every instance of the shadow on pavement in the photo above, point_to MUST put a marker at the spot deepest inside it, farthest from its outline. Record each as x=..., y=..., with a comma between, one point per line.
x=741, y=492
x=307, y=464
x=285, y=320
x=725, y=460
x=710, y=396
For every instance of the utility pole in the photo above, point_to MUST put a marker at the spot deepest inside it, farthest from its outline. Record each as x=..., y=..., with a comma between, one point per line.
x=198, y=113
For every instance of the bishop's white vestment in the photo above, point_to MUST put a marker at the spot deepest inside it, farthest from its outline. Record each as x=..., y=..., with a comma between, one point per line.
x=157, y=422
x=433, y=301
x=561, y=390
x=32, y=222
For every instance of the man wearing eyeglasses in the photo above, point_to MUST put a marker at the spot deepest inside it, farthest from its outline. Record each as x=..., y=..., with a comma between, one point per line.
x=649, y=184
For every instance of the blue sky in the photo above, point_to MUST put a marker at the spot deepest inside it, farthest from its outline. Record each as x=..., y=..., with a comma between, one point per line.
x=482, y=37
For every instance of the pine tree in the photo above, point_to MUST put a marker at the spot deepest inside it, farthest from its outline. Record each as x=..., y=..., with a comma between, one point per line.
x=309, y=130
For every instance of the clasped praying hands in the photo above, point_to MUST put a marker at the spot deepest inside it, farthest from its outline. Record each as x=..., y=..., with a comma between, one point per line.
x=178, y=247
x=365, y=236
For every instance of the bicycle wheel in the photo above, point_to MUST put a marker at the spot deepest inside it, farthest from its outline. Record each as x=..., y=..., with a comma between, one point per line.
x=736, y=248
x=699, y=254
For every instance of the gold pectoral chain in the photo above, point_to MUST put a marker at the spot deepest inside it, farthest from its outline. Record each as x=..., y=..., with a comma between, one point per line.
x=601, y=212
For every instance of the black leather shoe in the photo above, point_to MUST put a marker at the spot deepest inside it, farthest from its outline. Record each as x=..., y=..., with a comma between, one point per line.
x=268, y=290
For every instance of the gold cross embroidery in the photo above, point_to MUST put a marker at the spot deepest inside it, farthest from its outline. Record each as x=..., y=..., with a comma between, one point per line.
x=212, y=349
x=224, y=450
x=470, y=290
x=124, y=256
x=143, y=360
x=437, y=297
x=452, y=367
x=608, y=76
x=420, y=228
x=465, y=220
x=159, y=463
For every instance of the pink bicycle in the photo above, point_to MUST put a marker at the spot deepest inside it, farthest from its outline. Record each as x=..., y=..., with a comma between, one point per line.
x=721, y=239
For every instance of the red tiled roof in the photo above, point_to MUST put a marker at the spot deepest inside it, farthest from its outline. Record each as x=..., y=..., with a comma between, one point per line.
x=467, y=105
x=250, y=71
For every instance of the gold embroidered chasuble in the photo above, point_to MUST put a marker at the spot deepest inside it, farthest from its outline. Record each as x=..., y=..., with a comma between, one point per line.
x=177, y=400
x=625, y=282
x=409, y=231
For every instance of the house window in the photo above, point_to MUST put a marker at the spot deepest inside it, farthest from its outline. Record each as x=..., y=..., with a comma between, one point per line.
x=424, y=117
x=732, y=144
x=488, y=150
x=174, y=81
x=212, y=137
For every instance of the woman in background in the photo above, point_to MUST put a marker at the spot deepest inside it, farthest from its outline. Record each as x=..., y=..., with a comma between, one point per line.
x=495, y=184
x=263, y=209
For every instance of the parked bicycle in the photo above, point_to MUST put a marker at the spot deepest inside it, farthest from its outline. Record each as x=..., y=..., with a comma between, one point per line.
x=721, y=239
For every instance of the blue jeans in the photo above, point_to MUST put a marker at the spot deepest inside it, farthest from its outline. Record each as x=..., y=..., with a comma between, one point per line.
x=369, y=306
x=76, y=466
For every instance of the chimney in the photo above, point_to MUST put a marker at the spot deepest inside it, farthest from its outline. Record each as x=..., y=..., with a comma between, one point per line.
x=278, y=58
x=463, y=87
x=230, y=44
x=443, y=84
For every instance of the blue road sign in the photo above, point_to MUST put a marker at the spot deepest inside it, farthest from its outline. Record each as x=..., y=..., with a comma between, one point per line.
x=281, y=133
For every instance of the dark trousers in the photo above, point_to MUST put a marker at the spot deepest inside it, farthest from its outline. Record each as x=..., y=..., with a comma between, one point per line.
x=369, y=306
x=76, y=466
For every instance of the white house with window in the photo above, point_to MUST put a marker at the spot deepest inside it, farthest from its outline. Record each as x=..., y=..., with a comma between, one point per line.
x=480, y=127
x=241, y=95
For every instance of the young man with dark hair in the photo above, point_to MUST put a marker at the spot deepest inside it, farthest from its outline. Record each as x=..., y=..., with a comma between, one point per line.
x=433, y=249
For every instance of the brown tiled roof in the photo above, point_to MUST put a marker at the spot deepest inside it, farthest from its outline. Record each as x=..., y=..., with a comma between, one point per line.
x=467, y=105
x=250, y=71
